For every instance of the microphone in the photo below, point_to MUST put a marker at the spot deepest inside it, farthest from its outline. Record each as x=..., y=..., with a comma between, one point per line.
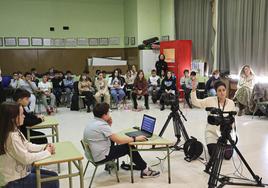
x=213, y=110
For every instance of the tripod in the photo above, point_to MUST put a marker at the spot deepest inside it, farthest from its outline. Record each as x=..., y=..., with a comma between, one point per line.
x=216, y=160
x=177, y=125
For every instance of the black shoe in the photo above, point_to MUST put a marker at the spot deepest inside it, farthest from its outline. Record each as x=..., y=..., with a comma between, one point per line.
x=147, y=107
x=162, y=108
x=88, y=110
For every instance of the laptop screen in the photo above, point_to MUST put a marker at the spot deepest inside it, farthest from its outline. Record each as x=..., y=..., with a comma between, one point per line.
x=148, y=124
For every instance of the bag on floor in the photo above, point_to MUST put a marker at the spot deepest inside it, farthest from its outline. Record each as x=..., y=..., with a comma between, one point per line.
x=75, y=103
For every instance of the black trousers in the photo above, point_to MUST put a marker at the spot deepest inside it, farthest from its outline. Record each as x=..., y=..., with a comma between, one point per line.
x=187, y=93
x=228, y=152
x=90, y=100
x=134, y=97
x=117, y=151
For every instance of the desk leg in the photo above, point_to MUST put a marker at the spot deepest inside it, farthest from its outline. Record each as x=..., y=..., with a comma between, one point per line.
x=53, y=132
x=38, y=177
x=81, y=174
x=168, y=157
x=28, y=134
x=70, y=172
x=57, y=140
x=131, y=164
x=57, y=133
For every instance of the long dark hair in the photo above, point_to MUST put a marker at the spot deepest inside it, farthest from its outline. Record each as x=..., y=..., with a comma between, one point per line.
x=9, y=112
x=138, y=78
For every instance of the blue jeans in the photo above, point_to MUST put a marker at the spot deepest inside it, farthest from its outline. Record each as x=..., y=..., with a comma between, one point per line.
x=117, y=94
x=30, y=180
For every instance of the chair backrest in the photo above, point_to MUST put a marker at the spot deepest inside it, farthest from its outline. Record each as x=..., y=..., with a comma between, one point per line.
x=88, y=153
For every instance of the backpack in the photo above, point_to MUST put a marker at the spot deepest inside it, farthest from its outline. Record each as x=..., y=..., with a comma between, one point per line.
x=75, y=102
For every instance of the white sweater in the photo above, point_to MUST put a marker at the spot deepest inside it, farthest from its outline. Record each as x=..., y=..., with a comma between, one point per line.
x=16, y=162
x=212, y=132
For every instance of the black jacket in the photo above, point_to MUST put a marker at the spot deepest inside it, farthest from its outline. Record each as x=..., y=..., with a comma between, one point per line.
x=168, y=84
x=30, y=120
x=161, y=65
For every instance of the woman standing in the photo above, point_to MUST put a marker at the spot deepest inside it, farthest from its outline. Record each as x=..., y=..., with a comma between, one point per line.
x=212, y=132
x=140, y=88
x=17, y=154
x=245, y=87
x=161, y=65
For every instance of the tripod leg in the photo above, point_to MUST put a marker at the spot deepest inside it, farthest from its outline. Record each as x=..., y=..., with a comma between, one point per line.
x=181, y=127
x=216, y=165
x=256, y=178
x=165, y=125
x=177, y=133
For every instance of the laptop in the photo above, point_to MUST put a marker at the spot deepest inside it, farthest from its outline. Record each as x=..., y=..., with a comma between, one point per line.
x=147, y=127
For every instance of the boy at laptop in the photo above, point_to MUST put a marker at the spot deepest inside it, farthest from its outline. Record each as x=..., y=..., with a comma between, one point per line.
x=98, y=134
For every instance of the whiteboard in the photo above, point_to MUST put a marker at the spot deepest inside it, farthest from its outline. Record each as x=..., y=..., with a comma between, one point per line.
x=96, y=61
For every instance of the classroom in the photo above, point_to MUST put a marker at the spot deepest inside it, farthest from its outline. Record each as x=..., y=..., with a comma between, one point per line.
x=116, y=93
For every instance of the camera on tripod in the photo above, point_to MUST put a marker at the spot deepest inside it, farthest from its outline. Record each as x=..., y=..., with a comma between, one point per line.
x=217, y=117
x=172, y=100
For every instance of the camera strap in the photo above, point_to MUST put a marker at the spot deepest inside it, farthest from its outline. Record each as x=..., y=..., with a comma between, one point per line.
x=223, y=104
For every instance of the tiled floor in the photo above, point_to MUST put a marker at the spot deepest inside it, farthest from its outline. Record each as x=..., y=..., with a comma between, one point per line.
x=253, y=143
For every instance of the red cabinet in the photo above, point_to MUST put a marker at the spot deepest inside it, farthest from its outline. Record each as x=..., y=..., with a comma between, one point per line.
x=178, y=55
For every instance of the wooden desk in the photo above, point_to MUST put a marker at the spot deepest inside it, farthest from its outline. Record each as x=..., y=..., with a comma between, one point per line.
x=155, y=140
x=49, y=123
x=65, y=152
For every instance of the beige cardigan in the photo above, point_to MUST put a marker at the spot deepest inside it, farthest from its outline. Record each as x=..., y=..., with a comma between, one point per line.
x=20, y=154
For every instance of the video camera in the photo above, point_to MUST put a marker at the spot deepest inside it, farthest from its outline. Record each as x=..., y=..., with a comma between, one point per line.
x=217, y=118
x=172, y=100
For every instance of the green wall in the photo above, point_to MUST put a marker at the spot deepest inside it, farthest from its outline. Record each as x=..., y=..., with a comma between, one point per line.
x=86, y=18
x=167, y=19
x=130, y=21
x=148, y=19
x=141, y=19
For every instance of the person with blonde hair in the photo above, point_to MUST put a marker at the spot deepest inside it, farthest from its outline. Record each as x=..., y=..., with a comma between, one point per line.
x=244, y=89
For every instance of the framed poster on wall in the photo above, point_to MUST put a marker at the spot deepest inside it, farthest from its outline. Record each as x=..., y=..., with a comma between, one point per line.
x=132, y=41
x=82, y=42
x=114, y=40
x=23, y=41
x=1, y=41
x=48, y=42
x=10, y=41
x=93, y=41
x=35, y=41
x=103, y=41
x=70, y=42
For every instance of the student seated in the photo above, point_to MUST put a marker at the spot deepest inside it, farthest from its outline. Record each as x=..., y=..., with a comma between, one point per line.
x=85, y=87
x=22, y=97
x=15, y=81
x=17, y=154
x=192, y=82
x=167, y=90
x=140, y=88
x=45, y=89
x=98, y=134
x=129, y=78
x=68, y=83
x=244, y=89
x=30, y=86
x=211, y=81
x=57, y=82
x=184, y=79
x=117, y=84
x=154, y=85
x=102, y=89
